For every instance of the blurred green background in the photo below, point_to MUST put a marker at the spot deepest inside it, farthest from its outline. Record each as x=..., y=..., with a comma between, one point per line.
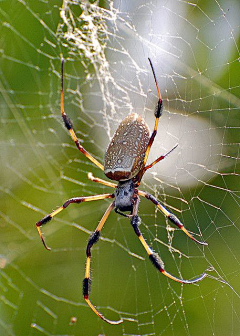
x=41, y=168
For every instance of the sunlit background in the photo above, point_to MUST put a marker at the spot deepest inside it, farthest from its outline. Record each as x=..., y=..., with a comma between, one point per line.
x=194, y=47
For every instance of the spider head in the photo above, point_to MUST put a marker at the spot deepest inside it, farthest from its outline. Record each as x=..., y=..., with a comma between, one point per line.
x=124, y=195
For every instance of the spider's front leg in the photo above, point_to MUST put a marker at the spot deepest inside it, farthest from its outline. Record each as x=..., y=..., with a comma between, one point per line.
x=93, y=239
x=153, y=256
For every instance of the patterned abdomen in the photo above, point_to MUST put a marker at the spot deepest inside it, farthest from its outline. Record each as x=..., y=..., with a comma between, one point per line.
x=125, y=154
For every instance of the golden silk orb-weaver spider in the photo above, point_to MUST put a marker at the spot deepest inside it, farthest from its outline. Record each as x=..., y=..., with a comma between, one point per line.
x=125, y=162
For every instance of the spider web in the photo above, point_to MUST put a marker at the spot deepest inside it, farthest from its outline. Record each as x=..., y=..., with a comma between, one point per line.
x=194, y=47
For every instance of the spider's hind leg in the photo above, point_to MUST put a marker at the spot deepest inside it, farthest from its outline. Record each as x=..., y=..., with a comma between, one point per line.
x=69, y=126
x=158, y=113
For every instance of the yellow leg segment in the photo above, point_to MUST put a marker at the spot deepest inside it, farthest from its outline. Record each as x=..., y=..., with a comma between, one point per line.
x=98, y=180
x=87, y=280
x=69, y=126
x=47, y=218
x=154, y=257
x=158, y=113
x=100, y=315
x=169, y=215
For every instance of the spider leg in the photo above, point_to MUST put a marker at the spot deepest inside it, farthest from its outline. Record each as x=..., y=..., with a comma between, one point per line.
x=169, y=215
x=69, y=126
x=159, y=159
x=87, y=280
x=153, y=256
x=47, y=218
x=158, y=113
x=122, y=214
x=98, y=180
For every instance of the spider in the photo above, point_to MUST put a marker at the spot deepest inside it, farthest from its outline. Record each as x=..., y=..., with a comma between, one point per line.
x=125, y=161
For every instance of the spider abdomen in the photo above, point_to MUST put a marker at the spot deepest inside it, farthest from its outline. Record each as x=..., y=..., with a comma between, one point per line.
x=125, y=154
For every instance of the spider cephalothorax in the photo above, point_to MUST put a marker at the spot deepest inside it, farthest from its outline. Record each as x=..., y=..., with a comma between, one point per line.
x=125, y=161
x=124, y=196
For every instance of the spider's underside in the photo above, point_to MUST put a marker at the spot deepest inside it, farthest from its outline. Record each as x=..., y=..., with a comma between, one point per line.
x=125, y=161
